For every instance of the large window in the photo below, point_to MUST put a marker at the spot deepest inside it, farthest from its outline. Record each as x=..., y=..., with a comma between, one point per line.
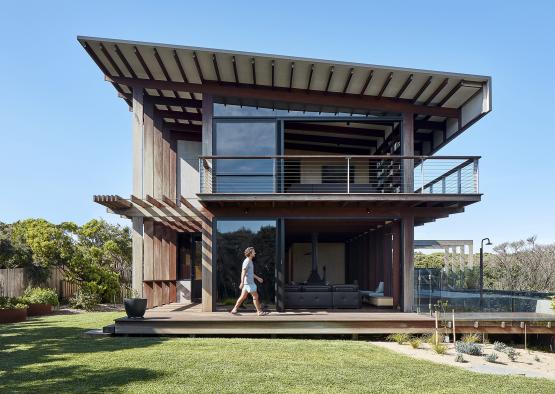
x=232, y=238
x=245, y=138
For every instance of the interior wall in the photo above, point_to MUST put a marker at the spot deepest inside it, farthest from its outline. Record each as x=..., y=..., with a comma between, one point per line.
x=311, y=170
x=330, y=255
x=188, y=171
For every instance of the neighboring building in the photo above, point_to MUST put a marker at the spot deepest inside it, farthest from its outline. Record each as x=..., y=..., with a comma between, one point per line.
x=325, y=167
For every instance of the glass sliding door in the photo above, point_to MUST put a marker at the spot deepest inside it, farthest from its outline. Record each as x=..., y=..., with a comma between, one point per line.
x=242, y=137
x=232, y=238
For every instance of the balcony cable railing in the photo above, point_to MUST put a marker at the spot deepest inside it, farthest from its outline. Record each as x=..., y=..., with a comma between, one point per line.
x=339, y=174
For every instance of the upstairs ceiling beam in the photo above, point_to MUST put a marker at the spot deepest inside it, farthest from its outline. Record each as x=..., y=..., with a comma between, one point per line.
x=292, y=95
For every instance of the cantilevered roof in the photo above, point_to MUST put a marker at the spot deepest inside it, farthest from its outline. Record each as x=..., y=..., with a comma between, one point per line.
x=174, y=71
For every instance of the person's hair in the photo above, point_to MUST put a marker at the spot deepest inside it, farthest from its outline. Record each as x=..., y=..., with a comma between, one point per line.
x=249, y=251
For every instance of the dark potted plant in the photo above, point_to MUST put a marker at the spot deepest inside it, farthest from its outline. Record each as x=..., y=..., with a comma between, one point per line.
x=12, y=310
x=135, y=307
x=39, y=301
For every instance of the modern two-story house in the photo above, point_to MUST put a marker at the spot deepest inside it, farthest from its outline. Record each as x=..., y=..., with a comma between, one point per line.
x=325, y=167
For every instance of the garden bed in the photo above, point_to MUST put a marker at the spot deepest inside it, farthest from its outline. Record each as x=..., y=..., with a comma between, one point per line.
x=526, y=364
x=13, y=315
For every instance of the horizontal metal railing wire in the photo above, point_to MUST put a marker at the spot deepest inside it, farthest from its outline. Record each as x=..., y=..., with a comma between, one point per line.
x=338, y=174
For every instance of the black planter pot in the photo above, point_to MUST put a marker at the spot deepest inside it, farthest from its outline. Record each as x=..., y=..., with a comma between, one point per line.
x=135, y=307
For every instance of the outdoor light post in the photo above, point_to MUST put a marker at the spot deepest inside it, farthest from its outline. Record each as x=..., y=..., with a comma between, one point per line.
x=482, y=272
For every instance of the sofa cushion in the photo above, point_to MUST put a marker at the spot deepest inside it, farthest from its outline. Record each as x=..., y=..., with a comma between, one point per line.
x=344, y=288
x=316, y=288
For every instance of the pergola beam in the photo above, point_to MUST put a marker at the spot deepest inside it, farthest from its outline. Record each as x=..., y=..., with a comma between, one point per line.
x=293, y=95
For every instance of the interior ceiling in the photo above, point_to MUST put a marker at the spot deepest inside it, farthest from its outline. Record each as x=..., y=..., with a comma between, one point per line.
x=337, y=230
x=348, y=137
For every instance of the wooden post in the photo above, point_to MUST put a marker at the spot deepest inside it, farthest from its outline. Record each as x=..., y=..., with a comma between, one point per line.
x=208, y=266
x=138, y=141
x=158, y=158
x=454, y=333
x=407, y=233
x=437, y=327
x=137, y=255
x=148, y=152
x=407, y=149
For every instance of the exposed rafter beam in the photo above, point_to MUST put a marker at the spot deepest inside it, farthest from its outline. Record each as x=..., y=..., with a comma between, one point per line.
x=309, y=126
x=327, y=149
x=367, y=82
x=428, y=125
x=180, y=115
x=339, y=141
x=404, y=87
x=291, y=95
x=182, y=127
x=385, y=84
x=174, y=101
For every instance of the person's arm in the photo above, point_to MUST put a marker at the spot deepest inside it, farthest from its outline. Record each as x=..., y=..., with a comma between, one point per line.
x=243, y=274
x=258, y=278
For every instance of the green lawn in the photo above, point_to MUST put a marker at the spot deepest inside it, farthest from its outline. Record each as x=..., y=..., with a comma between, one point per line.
x=51, y=354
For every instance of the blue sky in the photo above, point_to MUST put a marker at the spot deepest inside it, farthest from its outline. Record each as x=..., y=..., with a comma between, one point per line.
x=66, y=136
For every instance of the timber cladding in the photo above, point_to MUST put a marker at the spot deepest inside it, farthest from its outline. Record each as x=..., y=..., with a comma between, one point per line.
x=160, y=263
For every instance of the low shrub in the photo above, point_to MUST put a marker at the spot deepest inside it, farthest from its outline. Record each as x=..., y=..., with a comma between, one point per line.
x=470, y=348
x=491, y=358
x=415, y=342
x=471, y=338
x=11, y=303
x=399, y=338
x=432, y=339
x=37, y=295
x=499, y=346
x=86, y=300
x=459, y=358
x=440, y=348
x=512, y=354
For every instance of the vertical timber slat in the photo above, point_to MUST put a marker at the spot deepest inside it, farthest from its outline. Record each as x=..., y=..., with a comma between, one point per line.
x=208, y=270
x=137, y=254
x=148, y=250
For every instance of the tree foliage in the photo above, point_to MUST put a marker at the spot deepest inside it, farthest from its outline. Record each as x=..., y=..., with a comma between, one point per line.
x=522, y=265
x=94, y=255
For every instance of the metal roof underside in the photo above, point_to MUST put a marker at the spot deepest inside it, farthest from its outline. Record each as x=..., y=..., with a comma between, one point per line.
x=160, y=62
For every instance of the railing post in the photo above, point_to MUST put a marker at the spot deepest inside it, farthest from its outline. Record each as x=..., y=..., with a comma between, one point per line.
x=422, y=176
x=443, y=185
x=476, y=176
x=348, y=175
x=459, y=180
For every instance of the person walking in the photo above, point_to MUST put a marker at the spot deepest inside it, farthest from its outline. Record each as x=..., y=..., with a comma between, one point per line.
x=248, y=286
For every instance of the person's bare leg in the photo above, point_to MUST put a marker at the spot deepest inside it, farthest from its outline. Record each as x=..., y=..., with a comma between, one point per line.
x=256, y=302
x=240, y=300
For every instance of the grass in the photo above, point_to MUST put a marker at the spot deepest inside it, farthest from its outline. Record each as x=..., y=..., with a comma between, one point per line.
x=50, y=354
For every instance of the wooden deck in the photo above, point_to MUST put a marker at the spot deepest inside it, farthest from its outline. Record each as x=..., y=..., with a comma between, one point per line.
x=179, y=319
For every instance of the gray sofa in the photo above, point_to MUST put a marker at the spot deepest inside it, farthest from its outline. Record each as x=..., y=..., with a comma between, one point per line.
x=322, y=297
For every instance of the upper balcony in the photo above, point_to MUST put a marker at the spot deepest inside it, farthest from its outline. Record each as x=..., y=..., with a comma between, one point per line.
x=366, y=176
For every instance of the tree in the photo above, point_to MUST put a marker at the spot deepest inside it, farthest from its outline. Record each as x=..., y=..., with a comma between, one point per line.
x=13, y=252
x=108, y=245
x=522, y=265
x=50, y=244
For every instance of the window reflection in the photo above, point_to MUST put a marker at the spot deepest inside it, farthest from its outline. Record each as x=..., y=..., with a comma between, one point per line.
x=232, y=238
x=256, y=138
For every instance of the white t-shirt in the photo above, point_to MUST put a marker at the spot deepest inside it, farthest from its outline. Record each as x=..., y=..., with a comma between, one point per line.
x=249, y=266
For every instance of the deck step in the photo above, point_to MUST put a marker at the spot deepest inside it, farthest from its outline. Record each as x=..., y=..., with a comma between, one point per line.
x=109, y=329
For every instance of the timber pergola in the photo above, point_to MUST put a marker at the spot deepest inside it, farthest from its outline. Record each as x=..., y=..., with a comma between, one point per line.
x=175, y=78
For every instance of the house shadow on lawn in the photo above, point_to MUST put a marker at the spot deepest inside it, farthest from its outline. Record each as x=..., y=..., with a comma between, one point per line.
x=41, y=356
